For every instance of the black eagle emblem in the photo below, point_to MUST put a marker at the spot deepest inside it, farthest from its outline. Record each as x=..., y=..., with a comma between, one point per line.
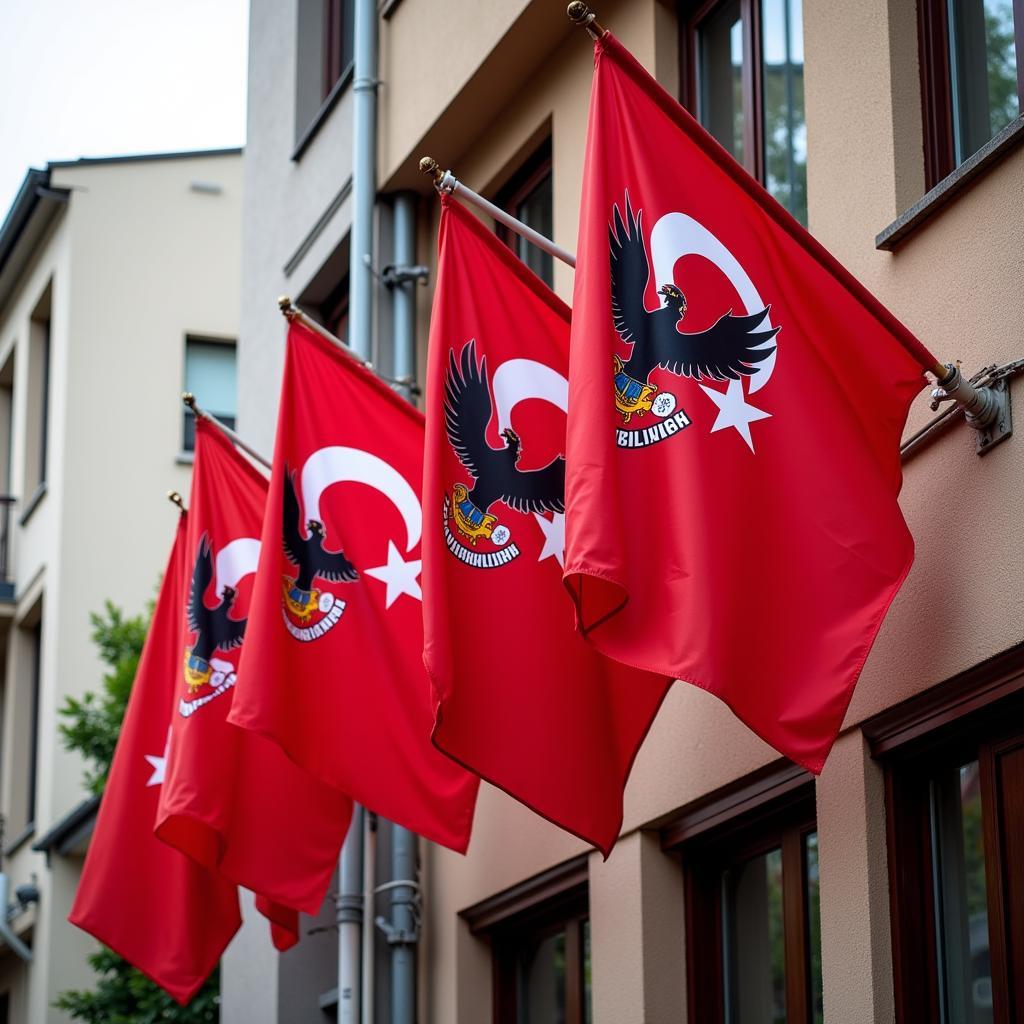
x=308, y=553
x=728, y=350
x=215, y=629
x=495, y=471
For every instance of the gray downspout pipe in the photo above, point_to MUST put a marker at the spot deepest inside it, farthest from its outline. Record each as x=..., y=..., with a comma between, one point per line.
x=364, y=177
x=403, y=933
x=350, y=921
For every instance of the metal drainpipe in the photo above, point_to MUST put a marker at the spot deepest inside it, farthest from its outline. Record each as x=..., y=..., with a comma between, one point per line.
x=350, y=921
x=364, y=177
x=403, y=927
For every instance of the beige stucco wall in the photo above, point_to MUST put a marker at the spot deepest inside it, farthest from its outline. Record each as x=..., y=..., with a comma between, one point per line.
x=137, y=261
x=955, y=282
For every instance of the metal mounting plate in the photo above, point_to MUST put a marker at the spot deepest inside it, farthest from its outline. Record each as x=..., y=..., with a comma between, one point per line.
x=1002, y=427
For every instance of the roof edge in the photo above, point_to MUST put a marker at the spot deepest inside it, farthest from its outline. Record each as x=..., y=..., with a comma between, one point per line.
x=185, y=154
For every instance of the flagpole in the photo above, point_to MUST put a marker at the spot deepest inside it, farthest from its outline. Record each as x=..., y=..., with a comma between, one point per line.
x=292, y=312
x=445, y=181
x=201, y=414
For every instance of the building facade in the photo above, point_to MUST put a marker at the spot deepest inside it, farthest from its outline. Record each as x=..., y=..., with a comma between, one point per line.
x=119, y=288
x=742, y=888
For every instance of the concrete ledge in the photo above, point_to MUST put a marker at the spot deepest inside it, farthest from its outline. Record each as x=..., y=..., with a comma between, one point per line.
x=951, y=186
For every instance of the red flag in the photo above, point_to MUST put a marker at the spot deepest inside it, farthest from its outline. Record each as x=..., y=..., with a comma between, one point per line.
x=332, y=666
x=522, y=699
x=161, y=911
x=736, y=401
x=232, y=800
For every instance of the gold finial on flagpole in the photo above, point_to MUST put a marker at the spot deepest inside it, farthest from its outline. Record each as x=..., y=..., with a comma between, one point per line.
x=189, y=399
x=288, y=311
x=580, y=14
x=428, y=165
x=175, y=499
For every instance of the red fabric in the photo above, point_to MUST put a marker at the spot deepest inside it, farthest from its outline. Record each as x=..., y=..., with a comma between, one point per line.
x=232, y=800
x=757, y=569
x=333, y=671
x=522, y=699
x=161, y=911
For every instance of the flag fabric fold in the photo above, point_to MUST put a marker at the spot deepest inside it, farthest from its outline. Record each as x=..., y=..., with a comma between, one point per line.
x=332, y=667
x=736, y=404
x=162, y=912
x=232, y=800
x=521, y=698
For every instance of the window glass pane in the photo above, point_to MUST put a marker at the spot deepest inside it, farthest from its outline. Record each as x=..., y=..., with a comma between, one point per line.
x=210, y=375
x=754, y=960
x=814, y=927
x=536, y=211
x=785, y=127
x=540, y=980
x=983, y=71
x=961, y=911
x=720, y=76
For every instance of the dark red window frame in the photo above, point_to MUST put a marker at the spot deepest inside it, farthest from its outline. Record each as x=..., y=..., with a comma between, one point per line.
x=977, y=715
x=690, y=19
x=338, y=25
x=769, y=809
x=936, y=84
x=555, y=900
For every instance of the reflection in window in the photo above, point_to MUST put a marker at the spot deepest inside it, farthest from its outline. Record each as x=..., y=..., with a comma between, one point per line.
x=756, y=112
x=785, y=127
x=814, y=927
x=540, y=981
x=983, y=72
x=721, y=77
x=755, y=954
x=958, y=855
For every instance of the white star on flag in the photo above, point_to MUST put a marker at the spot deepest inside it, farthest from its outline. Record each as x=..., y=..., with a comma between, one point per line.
x=554, y=537
x=159, y=764
x=398, y=575
x=733, y=410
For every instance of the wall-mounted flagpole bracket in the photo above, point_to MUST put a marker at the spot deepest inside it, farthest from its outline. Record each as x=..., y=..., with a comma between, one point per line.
x=987, y=408
x=394, y=276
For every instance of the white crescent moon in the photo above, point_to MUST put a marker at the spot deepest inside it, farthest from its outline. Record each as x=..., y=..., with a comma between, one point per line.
x=516, y=379
x=236, y=560
x=677, y=235
x=338, y=464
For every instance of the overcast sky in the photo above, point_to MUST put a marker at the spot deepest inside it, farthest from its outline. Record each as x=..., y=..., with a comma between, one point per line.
x=110, y=77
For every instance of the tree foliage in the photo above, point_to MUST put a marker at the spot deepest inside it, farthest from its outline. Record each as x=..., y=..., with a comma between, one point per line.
x=93, y=722
x=124, y=995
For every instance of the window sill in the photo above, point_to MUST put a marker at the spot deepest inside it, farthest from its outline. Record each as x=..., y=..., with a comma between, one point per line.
x=951, y=186
x=322, y=114
x=33, y=504
x=185, y=458
x=20, y=839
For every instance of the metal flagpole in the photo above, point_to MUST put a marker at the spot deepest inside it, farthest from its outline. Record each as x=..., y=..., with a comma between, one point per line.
x=445, y=181
x=292, y=312
x=201, y=414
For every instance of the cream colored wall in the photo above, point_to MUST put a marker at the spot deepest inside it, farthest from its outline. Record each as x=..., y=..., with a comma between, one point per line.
x=955, y=282
x=138, y=260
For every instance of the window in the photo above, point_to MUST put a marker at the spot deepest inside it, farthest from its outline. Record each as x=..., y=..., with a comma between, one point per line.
x=971, y=86
x=954, y=767
x=750, y=869
x=323, y=62
x=540, y=942
x=743, y=77
x=210, y=376
x=36, y=427
x=529, y=197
